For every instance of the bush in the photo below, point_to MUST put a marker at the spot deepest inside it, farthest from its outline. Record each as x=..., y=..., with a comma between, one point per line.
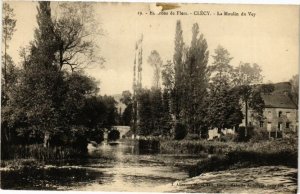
x=241, y=134
x=180, y=131
x=251, y=154
x=41, y=153
x=192, y=137
x=149, y=145
x=228, y=137
x=113, y=135
x=259, y=135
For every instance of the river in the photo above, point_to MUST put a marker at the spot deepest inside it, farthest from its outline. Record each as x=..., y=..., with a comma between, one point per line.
x=122, y=167
x=118, y=167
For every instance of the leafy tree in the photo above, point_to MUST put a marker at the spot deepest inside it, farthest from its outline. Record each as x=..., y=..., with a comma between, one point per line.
x=127, y=115
x=8, y=29
x=168, y=76
x=155, y=61
x=168, y=83
x=9, y=72
x=224, y=110
x=98, y=112
x=156, y=110
x=196, y=81
x=247, y=74
x=295, y=88
x=166, y=114
x=178, y=69
x=221, y=68
x=128, y=101
x=75, y=31
x=145, y=124
x=37, y=98
x=126, y=97
x=245, y=78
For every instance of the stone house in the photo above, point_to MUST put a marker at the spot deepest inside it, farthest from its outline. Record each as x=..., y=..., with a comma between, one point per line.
x=280, y=115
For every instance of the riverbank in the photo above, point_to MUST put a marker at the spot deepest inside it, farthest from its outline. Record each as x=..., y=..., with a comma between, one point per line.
x=218, y=156
x=263, y=179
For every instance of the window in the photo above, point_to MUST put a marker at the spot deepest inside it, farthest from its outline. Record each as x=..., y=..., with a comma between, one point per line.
x=288, y=115
x=270, y=114
x=287, y=125
x=261, y=124
x=279, y=126
x=269, y=126
x=279, y=113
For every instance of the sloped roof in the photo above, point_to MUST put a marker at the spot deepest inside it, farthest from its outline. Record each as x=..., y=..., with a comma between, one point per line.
x=277, y=100
x=280, y=97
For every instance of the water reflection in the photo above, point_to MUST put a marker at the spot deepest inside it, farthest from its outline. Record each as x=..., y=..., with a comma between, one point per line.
x=118, y=167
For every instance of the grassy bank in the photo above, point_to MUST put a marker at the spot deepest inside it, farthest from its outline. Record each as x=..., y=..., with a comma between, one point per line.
x=267, y=153
x=196, y=147
x=39, y=152
x=232, y=155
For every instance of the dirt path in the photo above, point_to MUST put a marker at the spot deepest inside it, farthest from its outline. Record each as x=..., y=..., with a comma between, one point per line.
x=266, y=179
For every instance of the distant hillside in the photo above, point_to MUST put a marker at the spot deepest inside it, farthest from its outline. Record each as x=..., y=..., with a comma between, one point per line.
x=117, y=97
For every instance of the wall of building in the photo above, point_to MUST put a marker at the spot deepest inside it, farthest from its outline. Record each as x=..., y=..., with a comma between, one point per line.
x=271, y=117
x=281, y=119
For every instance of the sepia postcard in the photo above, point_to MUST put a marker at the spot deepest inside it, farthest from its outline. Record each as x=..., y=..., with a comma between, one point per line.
x=149, y=97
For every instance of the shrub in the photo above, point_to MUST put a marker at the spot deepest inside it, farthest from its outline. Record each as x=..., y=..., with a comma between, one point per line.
x=241, y=133
x=259, y=135
x=228, y=137
x=192, y=137
x=251, y=154
x=41, y=153
x=180, y=131
x=113, y=135
x=149, y=145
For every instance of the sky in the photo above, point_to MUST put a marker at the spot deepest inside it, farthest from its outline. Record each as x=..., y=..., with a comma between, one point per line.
x=270, y=39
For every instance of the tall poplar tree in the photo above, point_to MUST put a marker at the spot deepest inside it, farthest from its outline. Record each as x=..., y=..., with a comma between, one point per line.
x=178, y=68
x=196, y=82
x=8, y=29
x=39, y=96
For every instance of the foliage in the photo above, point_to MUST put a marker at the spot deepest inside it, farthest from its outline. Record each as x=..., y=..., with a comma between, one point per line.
x=241, y=136
x=221, y=67
x=180, y=131
x=223, y=105
x=264, y=153
x=156, y=110
x=45, y=104
x=259, y=135
x=166, y=117
x=128, y=101
x=75, y=29
x=168, y=76
x=39, y=152
x=8, y=23
x=8, y=29
x=295, y=88
x=155, y=61
x=228, y=137
x=247, y=74
x=126, y=97
x=178, y=92
x=148, y=146
x=113, y=135
x=196, y=82
x=145, y=112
